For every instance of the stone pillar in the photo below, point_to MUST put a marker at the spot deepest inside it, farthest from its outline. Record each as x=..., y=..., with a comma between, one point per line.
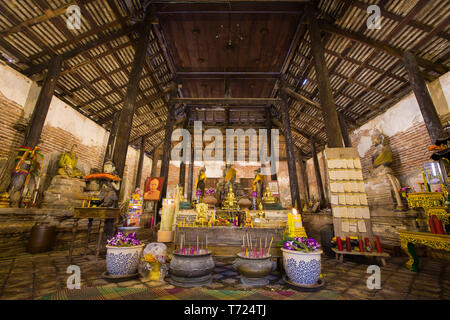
x=290, y=151
x=330, y=117
x=318, y=175
x=427, y=108
x=40, y=111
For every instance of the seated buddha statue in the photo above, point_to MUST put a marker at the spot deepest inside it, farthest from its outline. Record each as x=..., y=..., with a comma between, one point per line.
x=258, y=184
x=68, y=164
x=230, y=200
x=268, y=196
x=383, y=153
x=229, y=174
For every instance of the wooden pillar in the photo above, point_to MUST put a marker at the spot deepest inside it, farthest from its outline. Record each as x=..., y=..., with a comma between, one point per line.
x=127, y=113
x=304, y=187
x=344, y=131
x=191, y=172
x=43, y=103
x=330, y=117
x=305, y=179
x=112, y=137
x=318, y=175
x=141, y=163
x=290, y=151
x=427, y=108
x=182, y=178
x=167, y=148
x=269, y=135
x=156, y=154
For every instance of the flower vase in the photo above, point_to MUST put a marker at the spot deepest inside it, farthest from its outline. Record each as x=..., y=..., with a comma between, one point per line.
x=302, y=268
x=123, y=261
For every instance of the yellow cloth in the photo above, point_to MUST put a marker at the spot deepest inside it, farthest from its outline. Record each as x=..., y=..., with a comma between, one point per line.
x=385, y=156
x=258, y=178
x=201, y=177
x=231, y=173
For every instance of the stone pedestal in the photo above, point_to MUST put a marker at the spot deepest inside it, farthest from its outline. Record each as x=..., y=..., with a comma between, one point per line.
x=63, y=193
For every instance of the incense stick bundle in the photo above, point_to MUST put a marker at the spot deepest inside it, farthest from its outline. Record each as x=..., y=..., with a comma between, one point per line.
x=268, y=250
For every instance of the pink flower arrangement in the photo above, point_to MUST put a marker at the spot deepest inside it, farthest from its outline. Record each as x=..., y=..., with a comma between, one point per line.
x=124, y=240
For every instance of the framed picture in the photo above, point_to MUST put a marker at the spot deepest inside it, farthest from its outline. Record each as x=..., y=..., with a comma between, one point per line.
x=153, y=187
x=435, y=173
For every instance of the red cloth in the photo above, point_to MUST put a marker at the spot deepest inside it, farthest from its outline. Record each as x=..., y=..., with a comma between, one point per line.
x=348, y=245
x=431, y=224
x=339, y=243
x=438, y=225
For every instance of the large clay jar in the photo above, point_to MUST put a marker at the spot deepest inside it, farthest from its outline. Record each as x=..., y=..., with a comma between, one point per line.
x=191, y=270
x=210, y=200
x=244, y=203
x=123, y=261
x=302, y=268
x=254, y=270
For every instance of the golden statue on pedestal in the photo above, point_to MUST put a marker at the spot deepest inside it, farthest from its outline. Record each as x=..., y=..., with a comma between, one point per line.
x=268, y=197
x=202, y=213
x=68, y=164
x=230, y=202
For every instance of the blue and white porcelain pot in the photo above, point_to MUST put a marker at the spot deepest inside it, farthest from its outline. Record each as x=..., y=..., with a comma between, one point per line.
x=302, y=268
x=122, y=261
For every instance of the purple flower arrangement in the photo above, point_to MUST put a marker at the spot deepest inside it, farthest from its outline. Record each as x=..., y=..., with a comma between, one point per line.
x=299, y=244
x=198, y=193
x=124, y=240
x=254, y=194
x=210, y=192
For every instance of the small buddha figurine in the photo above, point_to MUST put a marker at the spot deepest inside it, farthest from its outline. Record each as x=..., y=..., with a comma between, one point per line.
x=261, y=212
x=201, y=210
x=268, y=196
x=68, y=164
x=230, y=200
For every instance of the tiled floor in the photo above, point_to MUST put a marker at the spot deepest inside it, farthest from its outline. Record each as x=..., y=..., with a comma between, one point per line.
x=32, y=276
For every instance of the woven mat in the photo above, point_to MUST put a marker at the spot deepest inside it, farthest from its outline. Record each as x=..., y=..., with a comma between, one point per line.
x=117, y=293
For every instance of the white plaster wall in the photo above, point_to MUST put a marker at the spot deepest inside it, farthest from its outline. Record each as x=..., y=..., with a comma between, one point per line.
x=406, y=113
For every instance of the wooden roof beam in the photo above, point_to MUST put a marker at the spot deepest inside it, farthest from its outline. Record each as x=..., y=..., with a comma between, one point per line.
x=380, y=45
x=80, y=49
x=226, y=101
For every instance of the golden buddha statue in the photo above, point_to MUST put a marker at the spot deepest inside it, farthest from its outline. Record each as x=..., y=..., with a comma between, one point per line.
x=383, y=153
x=268, y=197
x=229, y=174
x=201, y=210
x=68, y=164
x=261, y=213
x=230, y=202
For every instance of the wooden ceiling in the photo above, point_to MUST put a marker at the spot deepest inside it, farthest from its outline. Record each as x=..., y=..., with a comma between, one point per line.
x=188, y=45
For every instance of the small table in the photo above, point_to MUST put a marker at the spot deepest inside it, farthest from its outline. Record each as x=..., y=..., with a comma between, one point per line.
x=340, y=255
x=92, y=213
x=409, y=238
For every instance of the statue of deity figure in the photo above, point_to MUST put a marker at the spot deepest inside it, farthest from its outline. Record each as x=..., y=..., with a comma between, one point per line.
x=68, y=164
x=109, y=189
x=258, y=184
x=229, y=175
x=200, y=181
x=382, y=160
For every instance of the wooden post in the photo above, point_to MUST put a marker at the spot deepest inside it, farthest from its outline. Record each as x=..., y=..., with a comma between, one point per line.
x=304, y=186
x=295, y=197
x=167, y=148
x=182, y=178
x=140, y=164
x=305, y=180
x=269, y=135
x=330, y=117
x=344, y=131
x=191, y=172
x=127, y=113
x=318, y=175
x=43, y=103
x=112, y=137
x=427, y=108
x=155, y=159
